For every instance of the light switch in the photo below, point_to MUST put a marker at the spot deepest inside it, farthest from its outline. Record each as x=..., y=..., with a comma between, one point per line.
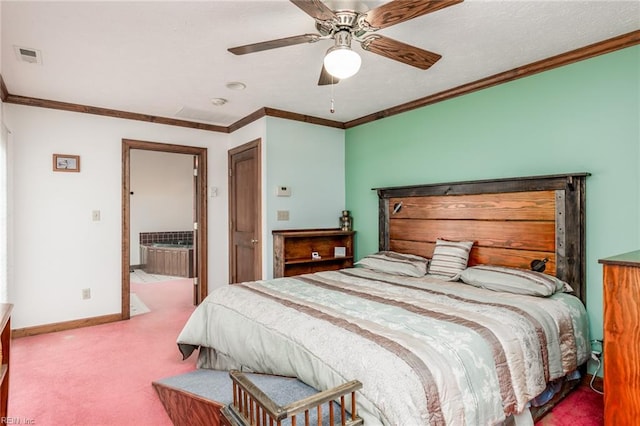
x=283, y=214
x=95, y=215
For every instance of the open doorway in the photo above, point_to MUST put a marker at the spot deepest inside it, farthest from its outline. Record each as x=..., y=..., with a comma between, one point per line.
x=198, y=239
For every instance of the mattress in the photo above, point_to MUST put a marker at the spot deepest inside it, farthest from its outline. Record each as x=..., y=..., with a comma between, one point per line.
x=426, y=351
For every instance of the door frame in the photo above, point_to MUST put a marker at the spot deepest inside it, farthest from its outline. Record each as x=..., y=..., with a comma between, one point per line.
x=257, y=143
x=200, y=197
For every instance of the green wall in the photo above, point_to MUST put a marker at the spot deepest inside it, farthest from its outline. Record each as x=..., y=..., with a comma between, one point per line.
x=583, y=117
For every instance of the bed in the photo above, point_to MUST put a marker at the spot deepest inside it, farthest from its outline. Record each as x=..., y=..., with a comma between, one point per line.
x=427, y=348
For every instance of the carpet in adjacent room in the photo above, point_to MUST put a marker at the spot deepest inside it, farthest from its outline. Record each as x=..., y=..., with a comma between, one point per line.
x=136, y=305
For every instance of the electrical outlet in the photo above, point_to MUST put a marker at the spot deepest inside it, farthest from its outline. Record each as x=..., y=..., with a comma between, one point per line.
x=596, y=350
x=86, y=293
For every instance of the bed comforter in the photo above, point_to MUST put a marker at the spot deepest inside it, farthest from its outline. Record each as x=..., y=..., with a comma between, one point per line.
x=426, y=351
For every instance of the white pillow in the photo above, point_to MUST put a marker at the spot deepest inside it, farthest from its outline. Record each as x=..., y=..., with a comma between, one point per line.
x=449, y=258
x=395, y=263
x=514, y=280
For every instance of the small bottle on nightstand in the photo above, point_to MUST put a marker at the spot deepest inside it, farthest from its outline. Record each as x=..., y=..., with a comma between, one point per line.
x=346, y=221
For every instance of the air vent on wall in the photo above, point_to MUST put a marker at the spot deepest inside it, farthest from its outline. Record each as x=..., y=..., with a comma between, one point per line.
x=26, y=54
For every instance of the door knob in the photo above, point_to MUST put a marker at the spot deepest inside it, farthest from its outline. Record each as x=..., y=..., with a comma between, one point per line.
x=254, y=241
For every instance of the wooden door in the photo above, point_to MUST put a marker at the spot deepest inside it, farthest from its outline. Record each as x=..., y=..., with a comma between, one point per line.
x=245, y=248
x=196, y=234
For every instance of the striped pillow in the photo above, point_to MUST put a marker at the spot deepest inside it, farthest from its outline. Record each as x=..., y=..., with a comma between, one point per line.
x=395, y=263
x=514, y=280
x=450, y=258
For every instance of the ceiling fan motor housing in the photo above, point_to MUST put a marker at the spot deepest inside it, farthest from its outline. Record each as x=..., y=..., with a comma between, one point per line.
x=345, y=19
x=342, y=39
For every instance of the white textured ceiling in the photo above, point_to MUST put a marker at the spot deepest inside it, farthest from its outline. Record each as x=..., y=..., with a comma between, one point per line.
x=158, y=57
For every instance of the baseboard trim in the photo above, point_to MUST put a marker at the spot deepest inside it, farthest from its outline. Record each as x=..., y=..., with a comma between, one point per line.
x=62, y=326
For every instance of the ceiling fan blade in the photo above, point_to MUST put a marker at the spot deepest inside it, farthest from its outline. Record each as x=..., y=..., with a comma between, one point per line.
x=326, y=78
x=398, y=11
x=399, y=51
x=273, y=44
x=315, y=8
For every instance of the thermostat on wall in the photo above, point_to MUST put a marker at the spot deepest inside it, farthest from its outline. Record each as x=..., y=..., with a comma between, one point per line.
x=283, y=191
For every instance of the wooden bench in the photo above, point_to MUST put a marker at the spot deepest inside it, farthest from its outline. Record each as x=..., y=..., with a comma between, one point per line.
x=251, y=406
x=220, y=398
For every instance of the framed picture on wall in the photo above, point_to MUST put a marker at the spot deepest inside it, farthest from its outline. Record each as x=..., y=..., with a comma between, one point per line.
x=66, y=163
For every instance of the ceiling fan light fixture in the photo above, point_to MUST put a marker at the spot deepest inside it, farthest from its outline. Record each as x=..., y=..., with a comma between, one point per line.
x=342, y=62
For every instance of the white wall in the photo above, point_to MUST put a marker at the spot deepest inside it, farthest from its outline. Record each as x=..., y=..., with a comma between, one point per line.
x=57, y=249
x=162, y=200
x=310, y=160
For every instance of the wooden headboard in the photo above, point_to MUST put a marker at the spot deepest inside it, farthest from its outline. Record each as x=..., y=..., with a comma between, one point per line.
x=512, y=221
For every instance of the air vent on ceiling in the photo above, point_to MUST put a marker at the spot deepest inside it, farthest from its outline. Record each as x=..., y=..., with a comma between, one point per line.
x=196, y=114
x=26, y=54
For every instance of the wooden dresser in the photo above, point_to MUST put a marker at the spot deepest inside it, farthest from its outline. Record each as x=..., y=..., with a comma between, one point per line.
x=292, y=251
x=621, y=353
x=5, y=340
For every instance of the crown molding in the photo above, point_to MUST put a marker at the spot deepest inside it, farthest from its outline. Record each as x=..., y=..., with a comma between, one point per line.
x=66, y=106
x=271, y=112
x=590, y=51
x=256, y=115
x=4, y=93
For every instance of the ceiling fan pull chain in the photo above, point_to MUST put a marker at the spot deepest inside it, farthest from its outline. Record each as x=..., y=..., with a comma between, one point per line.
x=332, y=109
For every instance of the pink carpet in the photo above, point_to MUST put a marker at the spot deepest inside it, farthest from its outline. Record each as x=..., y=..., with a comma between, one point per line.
x=102, y=375
x=583, y=407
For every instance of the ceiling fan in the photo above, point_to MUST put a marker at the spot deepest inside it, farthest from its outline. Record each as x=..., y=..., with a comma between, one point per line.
x=345, y=25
